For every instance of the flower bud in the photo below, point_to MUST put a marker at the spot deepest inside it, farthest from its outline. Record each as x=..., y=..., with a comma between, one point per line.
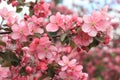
x=28, y=69
x=68, y=49
x=15, y=3
x=107, y=40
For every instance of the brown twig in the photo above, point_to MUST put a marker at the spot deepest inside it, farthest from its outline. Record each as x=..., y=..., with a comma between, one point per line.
x=5, y=32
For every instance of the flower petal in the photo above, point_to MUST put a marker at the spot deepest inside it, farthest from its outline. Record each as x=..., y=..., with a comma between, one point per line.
x=61, y=63
x=86, y=28
x=65, y=59
x=15, y=35
x=86, y=19
x=53, y=19
x=92, y=33
x=41, y=55
x=72, y=62
x=52, y=27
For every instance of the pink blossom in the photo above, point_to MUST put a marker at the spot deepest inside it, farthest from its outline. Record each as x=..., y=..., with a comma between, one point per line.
x=28, y=69
x=94, y=23
x=83, y=39
x=42, y=66
x=36, y=20
x=73, y=73
x=42, y=9
x=55, y=22
x=67, y=22
x=68, y=49
x=20, y=31
x=11, y=21
x=84, y=76
x=5, y=13
x=15, y=3
x=33, y=28
x=43, y=48
x=4, y=72
x=117, y=59
x=34, y=24
x=79, y=21
x=65, y=63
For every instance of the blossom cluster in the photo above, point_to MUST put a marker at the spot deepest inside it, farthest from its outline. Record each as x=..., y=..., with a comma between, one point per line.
x=44, y=46
x=102, y=64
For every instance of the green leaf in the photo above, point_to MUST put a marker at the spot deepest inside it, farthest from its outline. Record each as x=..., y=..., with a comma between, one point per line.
x=10, y=57
x=23, y=71
x=66, y=40
x=52, y=34
x=113, y=55
x=72, y=44
x=52, y=69
x=99, y=78
x=6, y=64
x=100, y=39
x=20, y=1
x=2, y=43
x=63, y=36
x=58, y=1
x=26, y=43
x=94, y=43
x=37, y=35
x=31, y=12
x=10, y=1
x=43, y=77
x=78, y=29
x=18, y=10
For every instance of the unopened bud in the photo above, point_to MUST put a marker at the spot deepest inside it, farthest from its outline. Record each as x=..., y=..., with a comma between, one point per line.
x=68, y=49
x=28, y=69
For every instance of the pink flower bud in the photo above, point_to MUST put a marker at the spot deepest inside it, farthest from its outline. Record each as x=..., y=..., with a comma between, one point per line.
x=68, y=49
x=15, y=3
x=107, y=40
x=42, y=66
x=26, y=16
x=78, y=49
x=73, y=31
x=115, y=25
x=28, y=69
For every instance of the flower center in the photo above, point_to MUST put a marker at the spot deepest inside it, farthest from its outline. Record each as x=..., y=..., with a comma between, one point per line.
x=92, y=23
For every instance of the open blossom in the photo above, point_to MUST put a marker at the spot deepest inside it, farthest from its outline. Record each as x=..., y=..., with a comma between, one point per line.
x=42, y=65
x=71, y=71
x=11, y=21
x=94, y=23
x=55, y=22
x=83, y=39
x=20, y=31
x=34, y=24
x=67, y=22
x=5, y=13
x=66, y=63
x=42, y=9
x=36, y=53
x=36, y=20
x=4, y=72
x=43, y=48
